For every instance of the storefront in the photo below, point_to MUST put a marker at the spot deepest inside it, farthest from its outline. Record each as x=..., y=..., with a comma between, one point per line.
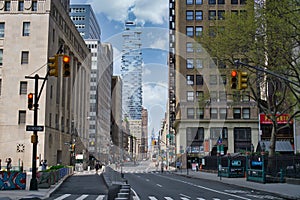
x=286, y=129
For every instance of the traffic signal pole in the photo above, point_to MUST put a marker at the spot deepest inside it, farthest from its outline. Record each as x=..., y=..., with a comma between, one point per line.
x=33, y=181
x=237, y=63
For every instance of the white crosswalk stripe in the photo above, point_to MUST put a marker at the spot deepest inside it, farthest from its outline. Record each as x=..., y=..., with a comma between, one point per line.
x=63, y=197
x=82, y=197
x=152, y=198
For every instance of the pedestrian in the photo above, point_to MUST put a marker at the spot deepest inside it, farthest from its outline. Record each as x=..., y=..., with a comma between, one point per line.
x=44, y=165
x=8, y=166
x=0, y=165
x=162, y=167
x=97, y=167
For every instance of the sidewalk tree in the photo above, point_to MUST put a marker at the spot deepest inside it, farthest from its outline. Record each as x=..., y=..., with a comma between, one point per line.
x=265, y=34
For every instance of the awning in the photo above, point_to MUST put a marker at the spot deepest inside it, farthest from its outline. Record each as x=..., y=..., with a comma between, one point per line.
x=281, y=146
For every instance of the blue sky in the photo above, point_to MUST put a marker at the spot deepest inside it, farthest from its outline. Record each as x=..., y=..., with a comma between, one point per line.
x=153, y=15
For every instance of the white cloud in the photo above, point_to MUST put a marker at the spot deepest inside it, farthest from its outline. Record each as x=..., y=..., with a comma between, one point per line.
x=153, y=11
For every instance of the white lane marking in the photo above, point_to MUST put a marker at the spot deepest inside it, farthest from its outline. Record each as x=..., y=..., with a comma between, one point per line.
x=63, y=197
x=135, y=197
x=185, y=196
x=100, y=197
x=205, y=188
x=159, y=185
x=82, y=197
x=168, y=198
x=200, y=199
x=147, y=179
x=152, y=198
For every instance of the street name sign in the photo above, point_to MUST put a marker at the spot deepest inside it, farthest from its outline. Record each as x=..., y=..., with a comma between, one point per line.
x=34, y=128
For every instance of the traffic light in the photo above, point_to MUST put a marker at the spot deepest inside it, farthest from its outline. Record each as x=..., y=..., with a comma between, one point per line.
x=53, y=65
x=66, y=66
x=234, y=79
x=243, y=80
x=30, y=101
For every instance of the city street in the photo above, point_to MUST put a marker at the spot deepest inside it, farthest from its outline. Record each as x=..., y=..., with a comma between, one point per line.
x=83, y=185
x=149, y=183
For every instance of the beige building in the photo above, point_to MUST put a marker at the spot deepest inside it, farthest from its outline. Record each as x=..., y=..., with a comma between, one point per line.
x=116, y=115
x=30, y=33
x=203, y=109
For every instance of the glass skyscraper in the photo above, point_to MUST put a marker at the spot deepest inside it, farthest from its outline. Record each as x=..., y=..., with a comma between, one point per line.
x=132, y=69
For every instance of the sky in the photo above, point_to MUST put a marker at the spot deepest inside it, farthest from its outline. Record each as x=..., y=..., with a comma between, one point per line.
x=153, y=16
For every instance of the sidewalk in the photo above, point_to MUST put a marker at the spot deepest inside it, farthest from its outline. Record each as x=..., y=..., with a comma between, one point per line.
x=284, y=190
x=29, y=194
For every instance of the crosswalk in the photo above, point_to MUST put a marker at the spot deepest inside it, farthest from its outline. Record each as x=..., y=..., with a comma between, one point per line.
x=79, y=197
x=182, y=198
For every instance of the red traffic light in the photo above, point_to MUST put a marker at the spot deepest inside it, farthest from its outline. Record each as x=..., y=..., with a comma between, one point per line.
x=66, y=59
x=234, y=73
x=30, y=101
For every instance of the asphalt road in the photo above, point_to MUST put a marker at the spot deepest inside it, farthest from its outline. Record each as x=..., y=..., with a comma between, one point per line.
x=156, y=186
x=81, y=186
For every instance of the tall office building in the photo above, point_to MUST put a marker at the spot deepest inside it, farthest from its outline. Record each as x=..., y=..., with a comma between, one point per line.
x=31, y=32
x=100, y=81
x=203, y=109
x=131, y=69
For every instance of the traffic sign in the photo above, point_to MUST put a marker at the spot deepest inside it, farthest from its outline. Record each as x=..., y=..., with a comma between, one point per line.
x=34, y=128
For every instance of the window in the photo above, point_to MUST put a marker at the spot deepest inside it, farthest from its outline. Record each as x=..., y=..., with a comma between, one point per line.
x=22, y=117
x=198, y=31
x=223, y=113
x=236, y=96
x=246, y=96
x=23, y=87
x=221, y=1
x=190, y=113
x=190, y=31
x=218, y=132
x=246, y=113
x=25, y=57
x=199, y=15
x=2, y=27
x=200, y=113
x=211, y=1
x=221, y=14
x=190, y=96
x=189, y=2
x=212, y=15
x=199, y=94
x=189, y=47
x=190, y=79
x=189, y=63
x=194, y=134
x=234, y=1
x=199, y=2
x=213, y=80
x=234, y=12
x=189, y=15
x=199, y=80
x=21, y=6
x=1, y=57
x=236, y=113
x=26, y=28
x=223, y=79
x=214, y=113
x=222, y=96
x=7, y=6
x=242, y=2
x=34, y=6
x=199, y=63
x=242, y=139
x=213, y=96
